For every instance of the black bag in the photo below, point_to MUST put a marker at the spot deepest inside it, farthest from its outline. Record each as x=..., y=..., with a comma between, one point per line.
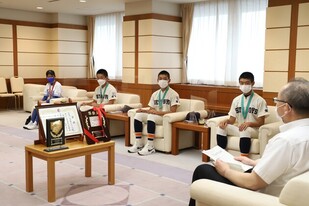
x=193, y=116
x=95, y=125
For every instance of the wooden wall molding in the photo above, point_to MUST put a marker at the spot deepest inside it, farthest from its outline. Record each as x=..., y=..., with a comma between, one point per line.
x=44, y=25
x=152, y=16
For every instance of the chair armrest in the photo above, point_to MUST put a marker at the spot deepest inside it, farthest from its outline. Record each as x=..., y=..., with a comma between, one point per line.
x=132, y=112
x=266, y=132
x=208, y=192
x=214, y=122
x=119, y=107
x=90, y=94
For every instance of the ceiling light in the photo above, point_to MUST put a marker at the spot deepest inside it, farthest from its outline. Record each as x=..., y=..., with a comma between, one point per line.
x=39, y=7
x=82, y=1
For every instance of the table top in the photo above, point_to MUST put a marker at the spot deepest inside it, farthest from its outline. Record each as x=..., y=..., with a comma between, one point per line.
x=120, y=116
x=190, y=126
x=75, y=147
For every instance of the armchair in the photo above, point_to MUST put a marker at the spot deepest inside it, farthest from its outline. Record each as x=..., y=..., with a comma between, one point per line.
x=32, y=93
x=208, y=192
x=267, y=131
x=163, y=134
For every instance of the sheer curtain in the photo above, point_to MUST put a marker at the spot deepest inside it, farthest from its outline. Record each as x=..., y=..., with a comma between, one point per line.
x=107, y=44
x=227, y=39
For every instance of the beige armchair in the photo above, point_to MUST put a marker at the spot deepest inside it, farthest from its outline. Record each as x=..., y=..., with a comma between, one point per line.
x=210, y=193
x=163, y=134
x=267, y=131
x=32, y=93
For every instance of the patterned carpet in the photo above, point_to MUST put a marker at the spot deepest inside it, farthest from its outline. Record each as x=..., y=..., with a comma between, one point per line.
x=138, y=181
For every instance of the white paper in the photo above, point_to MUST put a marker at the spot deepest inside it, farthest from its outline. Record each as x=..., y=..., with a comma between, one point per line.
x=219, y=153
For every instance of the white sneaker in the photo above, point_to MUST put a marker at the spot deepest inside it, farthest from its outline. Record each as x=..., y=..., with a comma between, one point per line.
x=28, y=125
x=135, y=148
x=147, y=150
x=33, y=126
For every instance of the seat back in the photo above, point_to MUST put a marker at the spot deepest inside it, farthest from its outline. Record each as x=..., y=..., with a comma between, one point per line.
x=190, y=105
x=126, y=98
x=17, y=84
x=272, y=115
x=3, y=87
x=296, y=191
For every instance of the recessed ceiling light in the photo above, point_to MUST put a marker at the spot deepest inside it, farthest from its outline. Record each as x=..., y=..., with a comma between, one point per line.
x=39, y=7
x=82, y=1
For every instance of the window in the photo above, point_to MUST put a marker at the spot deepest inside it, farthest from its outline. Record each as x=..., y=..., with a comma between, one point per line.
x=227, y=39
x=107, y=44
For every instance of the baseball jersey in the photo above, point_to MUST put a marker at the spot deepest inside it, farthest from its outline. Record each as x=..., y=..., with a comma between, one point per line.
x=103, y=95
x=257, y=108
x=168, y=99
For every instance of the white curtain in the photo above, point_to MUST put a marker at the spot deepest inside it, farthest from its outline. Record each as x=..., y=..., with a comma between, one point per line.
x=227, y=39
x=107, y=44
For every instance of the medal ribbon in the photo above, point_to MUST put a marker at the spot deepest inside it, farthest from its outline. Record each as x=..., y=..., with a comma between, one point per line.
x=244, y=110
x=50, y=90
x=161, y=100
x=103, y=91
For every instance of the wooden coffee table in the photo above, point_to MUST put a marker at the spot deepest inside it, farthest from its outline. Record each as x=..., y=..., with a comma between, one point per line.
x=202, y=131
x=76, y=149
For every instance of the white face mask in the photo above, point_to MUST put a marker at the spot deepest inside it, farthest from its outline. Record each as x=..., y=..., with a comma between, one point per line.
x=163, y=83
x=101, y=81
x=245, y=88
x=277, y=114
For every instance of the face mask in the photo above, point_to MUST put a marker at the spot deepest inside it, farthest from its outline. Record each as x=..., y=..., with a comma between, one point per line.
x=101, y=81
x=163, y=83
x=277, y=114
x=50, y=79
x=245, y=88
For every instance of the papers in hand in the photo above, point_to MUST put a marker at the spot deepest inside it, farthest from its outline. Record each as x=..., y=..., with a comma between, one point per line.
x=219, y=153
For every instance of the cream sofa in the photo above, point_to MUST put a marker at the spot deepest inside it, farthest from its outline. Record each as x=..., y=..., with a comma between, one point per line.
x=32, y=93
x=258, y=144
x=211, y=193
x=163, y=134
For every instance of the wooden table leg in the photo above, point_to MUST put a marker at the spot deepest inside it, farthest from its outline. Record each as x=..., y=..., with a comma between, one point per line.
x=175, y=141
x=111, y=165
x=29, y=171
x=87, y=165
x=51, y=190
x=127, y=133
x=205, y=145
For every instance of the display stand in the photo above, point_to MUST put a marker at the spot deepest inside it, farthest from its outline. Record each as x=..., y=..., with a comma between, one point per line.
x=72, y=125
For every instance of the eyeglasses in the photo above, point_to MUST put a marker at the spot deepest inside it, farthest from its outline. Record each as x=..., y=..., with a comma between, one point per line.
x=276, y=100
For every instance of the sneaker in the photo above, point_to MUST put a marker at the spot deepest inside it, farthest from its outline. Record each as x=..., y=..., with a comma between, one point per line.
x=147, y=150
x=33, y=126
x=135, y=148
x=28, y=125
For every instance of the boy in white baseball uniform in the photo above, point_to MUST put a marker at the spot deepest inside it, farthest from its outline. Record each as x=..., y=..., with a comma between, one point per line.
x=105, y=93
x=249, y=111
x=163, y=101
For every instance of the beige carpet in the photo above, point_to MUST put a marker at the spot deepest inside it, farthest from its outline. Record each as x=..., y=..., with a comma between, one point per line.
x=138, y=181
